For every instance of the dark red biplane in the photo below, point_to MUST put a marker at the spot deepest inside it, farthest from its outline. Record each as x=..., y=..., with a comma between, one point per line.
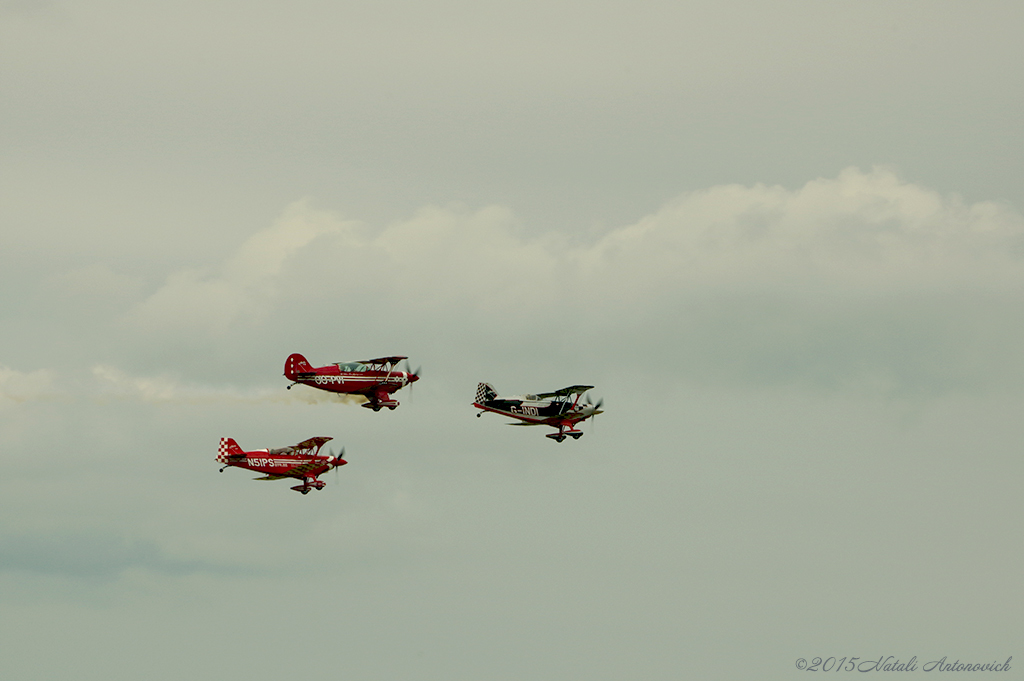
x=302, y=462
x=375, y=379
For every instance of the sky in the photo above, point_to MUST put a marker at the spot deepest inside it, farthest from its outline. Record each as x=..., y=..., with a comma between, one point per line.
x=785, y=241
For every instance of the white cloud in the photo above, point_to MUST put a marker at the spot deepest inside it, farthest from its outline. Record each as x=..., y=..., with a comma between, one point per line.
x=24, y=386
x=860, y=279
x=868, y=231
x=246, y=286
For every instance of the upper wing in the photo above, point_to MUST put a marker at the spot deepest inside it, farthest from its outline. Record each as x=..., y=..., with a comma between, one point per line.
x=384, y=360
x=571, y=390
x=314, y=443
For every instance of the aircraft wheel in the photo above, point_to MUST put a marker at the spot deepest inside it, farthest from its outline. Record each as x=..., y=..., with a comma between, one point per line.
x=305, y=491
x=392, y=408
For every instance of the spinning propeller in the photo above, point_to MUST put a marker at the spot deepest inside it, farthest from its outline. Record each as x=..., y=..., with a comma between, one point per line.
x=413, y=375
x=595, y=407
x=336, y=461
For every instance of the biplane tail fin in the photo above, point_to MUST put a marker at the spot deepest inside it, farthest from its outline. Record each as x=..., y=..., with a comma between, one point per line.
x=296, y=364
x=485, y=392
x=228, y=448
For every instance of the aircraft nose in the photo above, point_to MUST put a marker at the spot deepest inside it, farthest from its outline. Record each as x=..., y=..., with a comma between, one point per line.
x=340, y=462
x=412, y=377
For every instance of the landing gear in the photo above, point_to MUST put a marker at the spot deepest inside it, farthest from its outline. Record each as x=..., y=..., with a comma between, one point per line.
x=377, y=405
x=310, y=484
x=557, y=437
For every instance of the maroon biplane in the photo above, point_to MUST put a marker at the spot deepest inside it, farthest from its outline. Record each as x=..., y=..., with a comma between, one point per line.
x=375, y=379
x=302, y=462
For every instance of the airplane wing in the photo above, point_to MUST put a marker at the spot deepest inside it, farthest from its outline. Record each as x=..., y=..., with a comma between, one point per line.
x=306, y=467
x=525, y=423
x=571, y=390
x=299, y=470
x=384, y=360
x=314, y=443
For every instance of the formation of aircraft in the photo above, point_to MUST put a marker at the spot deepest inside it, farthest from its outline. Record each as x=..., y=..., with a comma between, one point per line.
x=301, y=462
x=560, y=409
x=376, y=380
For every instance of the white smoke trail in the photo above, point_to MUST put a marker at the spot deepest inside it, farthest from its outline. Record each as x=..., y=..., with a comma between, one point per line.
x=308, y=395
x=116, y=384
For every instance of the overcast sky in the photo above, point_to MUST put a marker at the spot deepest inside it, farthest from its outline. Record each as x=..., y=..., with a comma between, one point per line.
x=784, y=240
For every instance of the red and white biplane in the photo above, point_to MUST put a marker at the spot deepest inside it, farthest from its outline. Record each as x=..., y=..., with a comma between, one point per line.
x=560, y=409
x=302, y=462
x=375, y=379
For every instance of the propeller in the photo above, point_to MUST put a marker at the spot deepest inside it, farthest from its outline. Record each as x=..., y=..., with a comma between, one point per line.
x=413, y=375
x=333, y=460
x=595, y=407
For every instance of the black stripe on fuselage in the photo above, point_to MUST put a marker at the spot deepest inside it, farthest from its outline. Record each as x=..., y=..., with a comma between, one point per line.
x=518, y=408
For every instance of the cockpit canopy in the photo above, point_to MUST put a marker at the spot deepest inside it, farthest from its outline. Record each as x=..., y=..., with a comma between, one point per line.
x=352, y=366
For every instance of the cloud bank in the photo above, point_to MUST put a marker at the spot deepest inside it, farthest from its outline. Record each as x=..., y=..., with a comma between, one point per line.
x=860, y=279
x=20, y=386
x=862, y=230
x=246, y=286
x=90, y=556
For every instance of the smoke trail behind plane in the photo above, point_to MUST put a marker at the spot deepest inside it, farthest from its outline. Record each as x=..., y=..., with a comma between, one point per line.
x=113, y=384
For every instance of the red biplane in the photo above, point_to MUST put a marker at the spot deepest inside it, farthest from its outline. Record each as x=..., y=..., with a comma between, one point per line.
x=375, y=379
x=559, y=409
x=302, y=462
